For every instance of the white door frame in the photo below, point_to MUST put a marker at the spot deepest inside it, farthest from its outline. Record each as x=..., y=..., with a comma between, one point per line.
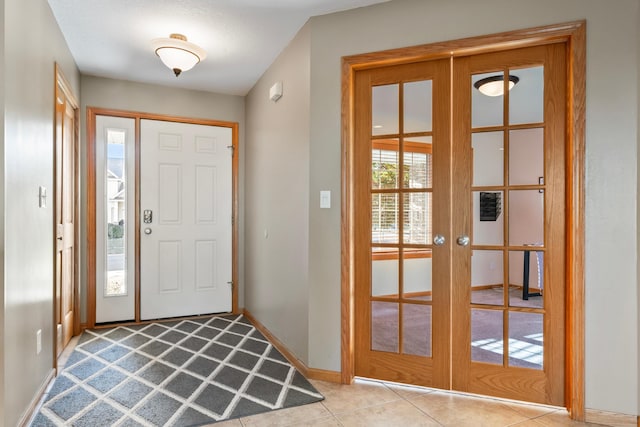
x=92, y=112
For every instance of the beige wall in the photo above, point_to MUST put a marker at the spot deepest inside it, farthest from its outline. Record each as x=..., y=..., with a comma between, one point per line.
x=130, y=96
x=277, y=198
x=32, y=43
x=611, y=184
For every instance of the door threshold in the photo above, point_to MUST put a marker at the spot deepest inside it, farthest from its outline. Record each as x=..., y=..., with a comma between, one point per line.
x=419, y=388
x=106, y=325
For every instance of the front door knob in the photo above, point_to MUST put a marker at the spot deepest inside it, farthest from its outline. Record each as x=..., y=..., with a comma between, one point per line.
x=463, y=240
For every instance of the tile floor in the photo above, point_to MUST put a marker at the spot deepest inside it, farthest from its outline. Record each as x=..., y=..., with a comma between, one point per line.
x=372, y=403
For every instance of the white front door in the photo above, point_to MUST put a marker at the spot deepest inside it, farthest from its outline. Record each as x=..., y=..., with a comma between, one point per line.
x=185, y=219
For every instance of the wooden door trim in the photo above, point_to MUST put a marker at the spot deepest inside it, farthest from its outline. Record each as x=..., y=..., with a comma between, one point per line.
x=92, y=112
x=574, y=35
x=62, y=84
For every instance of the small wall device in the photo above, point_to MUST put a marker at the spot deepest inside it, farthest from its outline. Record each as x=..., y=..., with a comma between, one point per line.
x=275, y=92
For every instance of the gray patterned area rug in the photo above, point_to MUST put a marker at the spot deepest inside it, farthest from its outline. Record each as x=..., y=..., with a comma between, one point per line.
x=179, y=373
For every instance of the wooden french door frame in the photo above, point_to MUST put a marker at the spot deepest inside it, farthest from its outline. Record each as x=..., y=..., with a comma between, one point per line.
x=92, y=112
x=573, y=34
x=62, y=90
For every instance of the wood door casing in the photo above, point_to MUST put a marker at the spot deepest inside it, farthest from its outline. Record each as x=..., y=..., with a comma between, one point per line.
x=573, y=36
x=546, y=385
x=92, y=113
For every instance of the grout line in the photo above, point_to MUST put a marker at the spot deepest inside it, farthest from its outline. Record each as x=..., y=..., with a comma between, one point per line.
x=423, y=411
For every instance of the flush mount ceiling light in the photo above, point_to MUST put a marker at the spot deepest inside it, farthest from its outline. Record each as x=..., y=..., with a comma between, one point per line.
x=177, y=53
x=494, y=85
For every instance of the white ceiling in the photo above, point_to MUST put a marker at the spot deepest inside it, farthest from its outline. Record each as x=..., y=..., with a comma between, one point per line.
x=112, y=38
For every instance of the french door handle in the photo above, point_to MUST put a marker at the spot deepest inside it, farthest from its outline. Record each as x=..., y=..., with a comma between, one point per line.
x=463, y=240
x=438, y=240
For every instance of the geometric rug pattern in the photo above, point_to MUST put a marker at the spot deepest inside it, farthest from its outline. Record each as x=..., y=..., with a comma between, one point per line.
x=177, y=373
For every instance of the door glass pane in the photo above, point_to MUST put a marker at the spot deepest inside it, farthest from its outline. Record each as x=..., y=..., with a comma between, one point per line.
x=487, y=343
x=526, y=275
x=418, y=166
x=526, y=217
x=526, y=340
x=486, y=110
x=488, y=158
x=384, y=326
x=385, y=163
x=384, y=272
x=417, y=218
x=488, y=220
x=416, y=329
x=416, y=274
x=487, y=277
x=384, y=218
x=526, y=98
x=385, y=109
x=116, y=283
x=526, y=157
x=417, y=106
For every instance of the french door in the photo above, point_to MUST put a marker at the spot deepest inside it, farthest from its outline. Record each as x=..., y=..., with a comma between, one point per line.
x=403, y=193
x=459, y=245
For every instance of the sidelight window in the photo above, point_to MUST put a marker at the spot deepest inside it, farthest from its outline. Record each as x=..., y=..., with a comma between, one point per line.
x=116, y=212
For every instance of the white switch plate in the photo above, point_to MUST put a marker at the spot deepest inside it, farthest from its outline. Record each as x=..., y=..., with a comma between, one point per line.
x=325, y=199
x=42, y=196
x=38, y=341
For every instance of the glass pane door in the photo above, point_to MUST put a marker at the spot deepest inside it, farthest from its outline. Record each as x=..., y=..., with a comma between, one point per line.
x=509, y=308
x=402, y=303
x=459, y=251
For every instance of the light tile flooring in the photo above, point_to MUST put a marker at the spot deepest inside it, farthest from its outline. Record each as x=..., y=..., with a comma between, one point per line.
x=373, y=403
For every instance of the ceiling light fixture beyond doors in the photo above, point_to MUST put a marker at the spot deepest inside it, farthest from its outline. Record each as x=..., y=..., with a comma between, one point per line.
x=177, y=53
x=494, y=85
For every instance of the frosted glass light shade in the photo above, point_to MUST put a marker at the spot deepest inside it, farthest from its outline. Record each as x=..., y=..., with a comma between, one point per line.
x=177, y=53
x=494, y=85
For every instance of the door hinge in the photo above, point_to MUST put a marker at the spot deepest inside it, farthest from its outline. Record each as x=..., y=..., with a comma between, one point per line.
x=232, y=148
x=230, y=283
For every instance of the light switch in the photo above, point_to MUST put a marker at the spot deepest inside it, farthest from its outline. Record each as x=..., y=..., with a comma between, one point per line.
x=325, y=199
x=42, y=197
